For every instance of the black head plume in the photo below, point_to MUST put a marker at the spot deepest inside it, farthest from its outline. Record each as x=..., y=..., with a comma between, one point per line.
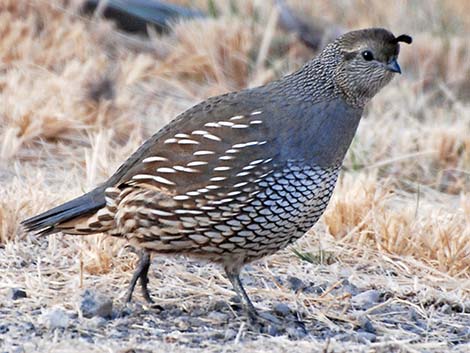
x=405, y=38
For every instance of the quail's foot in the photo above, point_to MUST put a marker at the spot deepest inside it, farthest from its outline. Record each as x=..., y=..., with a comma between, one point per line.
x=267, y=323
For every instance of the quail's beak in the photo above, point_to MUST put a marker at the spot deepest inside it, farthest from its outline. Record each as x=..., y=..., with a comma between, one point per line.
x=393, y=66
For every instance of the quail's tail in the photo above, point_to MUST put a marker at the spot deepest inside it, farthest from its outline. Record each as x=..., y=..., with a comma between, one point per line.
x=78, y=216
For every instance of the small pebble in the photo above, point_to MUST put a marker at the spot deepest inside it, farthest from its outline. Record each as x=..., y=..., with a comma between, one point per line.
x=366, y=300
x=296, y=331
x=220, y=305
x=445, y=309
x=230, y=334
x=282, y=309
x=97, y=322
x=295, y=284
x=182, y=323
x=319, y=289
x=4, y=329
x=350, y=288
x=94, y=304
x=16, y=293
x=366, y=325
x=366, y=337
x=218, y=317
x=56, y=318
x=273, y=330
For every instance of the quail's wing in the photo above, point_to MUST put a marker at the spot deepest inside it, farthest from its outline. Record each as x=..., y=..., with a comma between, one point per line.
x=210, y=155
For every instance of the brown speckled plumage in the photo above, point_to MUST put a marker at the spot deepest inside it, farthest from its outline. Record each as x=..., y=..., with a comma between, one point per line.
x=242, y=175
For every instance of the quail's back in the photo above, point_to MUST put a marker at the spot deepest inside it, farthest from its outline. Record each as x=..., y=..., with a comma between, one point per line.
x=241, y=175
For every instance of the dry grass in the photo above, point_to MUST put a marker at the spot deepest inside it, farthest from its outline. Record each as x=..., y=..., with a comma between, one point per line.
x=78, y=97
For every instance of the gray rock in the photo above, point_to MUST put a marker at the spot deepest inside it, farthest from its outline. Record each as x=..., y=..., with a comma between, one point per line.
x=182, y=323
x=218, y=316
x=316, y=289
x=97, y=322
x=295, y=284
x=296, y=331
x=366, y=325
x=445, y=309
x=95, y=304
x=366, y=299
x=350, y=288
x=16, y=293
x=56, y=318
x=366, y=337
x=220, y=305
x=230, y=334
x=282, y=309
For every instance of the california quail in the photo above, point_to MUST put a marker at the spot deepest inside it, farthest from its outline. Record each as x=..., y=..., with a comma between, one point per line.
x=242, y=175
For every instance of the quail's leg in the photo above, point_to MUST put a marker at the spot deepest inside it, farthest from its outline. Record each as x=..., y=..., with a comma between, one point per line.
x=141, y=273
x=234, y=277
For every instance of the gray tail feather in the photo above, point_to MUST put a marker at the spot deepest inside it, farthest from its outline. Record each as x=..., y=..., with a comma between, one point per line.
x=47, y=222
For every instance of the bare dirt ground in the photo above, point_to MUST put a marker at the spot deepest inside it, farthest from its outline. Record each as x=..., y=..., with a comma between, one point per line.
x=387, y=269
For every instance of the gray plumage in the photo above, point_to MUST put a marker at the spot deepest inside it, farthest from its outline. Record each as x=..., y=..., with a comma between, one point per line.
x=239, y=176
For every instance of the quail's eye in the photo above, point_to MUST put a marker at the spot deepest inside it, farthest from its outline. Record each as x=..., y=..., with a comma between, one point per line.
x=367, y=55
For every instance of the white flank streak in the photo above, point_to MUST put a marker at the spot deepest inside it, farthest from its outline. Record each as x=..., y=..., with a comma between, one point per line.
x=212, y=125
x=239, y=185
x=165, y=170
x=188, y=142
x=181, y=197
x=207, y=208
x=256, y=122
x=203, y=153
x=239, y=126
x=232, y=151
x=196, y=163
x=154, y=159
x=249, y=167
x=221, y=169
x=226, y=123
x=199, y=132
x=237, y=117
x=193, y=193
x=161, y=213
x=212, y=187
x=172, y=140
x=181, y=136
x=212, y=137
x=262, y=143
x=184, y=169
x=202, y=191
x=234, y=193
x=225, y=200
x=226, y=158
x=266, y=174
x=258, y=161
x=188, y=212
x=243, y=174
x=256, y=112
x=216, y=179
x=267, y=160
x=246, y=144
x=156, y=178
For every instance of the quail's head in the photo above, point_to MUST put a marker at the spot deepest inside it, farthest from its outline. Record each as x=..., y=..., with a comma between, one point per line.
x=368, y=61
